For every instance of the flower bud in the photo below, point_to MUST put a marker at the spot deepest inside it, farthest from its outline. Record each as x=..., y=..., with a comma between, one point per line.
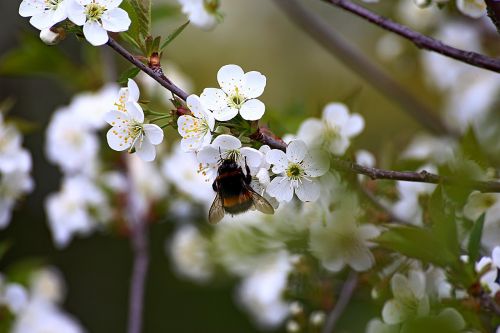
x=292, y=326
x=317, y=318
x=422, y=3
x=295, y=308
x=52, y=36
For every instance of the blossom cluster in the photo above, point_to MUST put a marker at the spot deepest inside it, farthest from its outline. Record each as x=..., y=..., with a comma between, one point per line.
x=15, y=168
x=96, y=17
x=36, y=307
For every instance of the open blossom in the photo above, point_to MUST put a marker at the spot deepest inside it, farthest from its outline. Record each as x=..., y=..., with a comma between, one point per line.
x=238, y=93
x=334, y=130
x=196, y=130
x=297, y=172
x=490, y=276
x=98, y=17
x=130, y=132
x=44, y=13
x=226, y=146
x=340, y=240
x=202, y=13
x=488, y=203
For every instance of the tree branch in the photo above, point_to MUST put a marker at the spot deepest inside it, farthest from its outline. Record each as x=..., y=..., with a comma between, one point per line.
x=420, y=40
x=343, y=299
x=362, y=65
x=265, y=136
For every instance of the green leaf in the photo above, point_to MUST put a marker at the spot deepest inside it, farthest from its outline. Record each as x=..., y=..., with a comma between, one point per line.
x=417, y=243
x=475, y=239
x=443, y=221
x=128, y=74
x=142, y=10
x=4, y=247
x=173, y=35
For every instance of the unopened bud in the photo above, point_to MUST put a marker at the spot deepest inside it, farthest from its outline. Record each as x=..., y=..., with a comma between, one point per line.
x=295, y=308
x=317, y=318
x=52, y=36
x=292, y=326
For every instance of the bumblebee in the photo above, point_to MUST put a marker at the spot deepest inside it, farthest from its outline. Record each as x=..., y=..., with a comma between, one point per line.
x=234, y=194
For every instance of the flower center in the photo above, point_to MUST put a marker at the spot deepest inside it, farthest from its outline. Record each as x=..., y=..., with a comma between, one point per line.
x=135, y=133
x=236, y=100
x=331, y=133
x=211, y=6
x=196, y=128
x=94, y=11
x=295, y=171
x=52, y=4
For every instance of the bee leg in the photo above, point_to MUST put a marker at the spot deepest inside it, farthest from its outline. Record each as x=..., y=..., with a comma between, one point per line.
x=214, y=186
x=248, y=177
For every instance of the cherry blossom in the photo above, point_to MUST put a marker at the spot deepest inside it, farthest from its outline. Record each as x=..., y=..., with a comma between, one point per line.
x=196, y=130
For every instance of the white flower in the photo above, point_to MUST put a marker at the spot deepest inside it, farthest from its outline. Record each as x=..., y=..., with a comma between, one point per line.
x=91, y=107
x=488, y=203
x=12, y=156
x=432, y=149
x=98, y=17
x=238, y=94
x=489, y=278
x=340, y=241
x=298, y=171
x=196, y=130
x=334, y=130
x=201, y=13
x=410, y=299
x=14, y=296
x=12, y=186
x=44, y=13
x=47, y=284
x=77, y=209
x=130, y=132
x=42, y=316
x=261, y=293
x=378, y=326
x=181, y=169
x=70, y=142
x=472, y=8
x=190, y=256
x=226, y=146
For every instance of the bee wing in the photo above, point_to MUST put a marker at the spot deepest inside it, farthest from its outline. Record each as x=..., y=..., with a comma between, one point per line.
x=216, y=212
x=261, y=204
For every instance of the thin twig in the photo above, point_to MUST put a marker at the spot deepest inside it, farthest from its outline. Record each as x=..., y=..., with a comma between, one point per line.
x=137, y=222
x=363, y=66
x=157, y=75
x=420, y=40
x=343, y=299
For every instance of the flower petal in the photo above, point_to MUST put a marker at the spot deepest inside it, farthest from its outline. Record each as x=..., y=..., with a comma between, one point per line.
x=307, y=190
x=95, y=34
x=336, y=114
x=76, y=13
x=225, y=114
x=495, y=256
x=316, y=163
x=194, y=104
x=208, y=155
x=393, y=312
x=135, y=111
x=354, y=125
x=296, y=151
x=360, y=259
x=29, y=8
x=280, y=188
x=254, y=84
x=226, y=142
x=154, y=133
x=115, y=139
x=116, y=118
x=253, y=156
x=191, y=144
x=310, y=131
x=109, y=4
x=115, y=20
x=278, y=159
x=133, y=91
x=214, y=99
x=400, y=287
x=42, y=21
x=145, y=149
x=230, y=77
x=252, y=109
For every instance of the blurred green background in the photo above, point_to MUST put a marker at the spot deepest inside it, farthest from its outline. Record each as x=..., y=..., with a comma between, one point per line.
x=301, y=78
